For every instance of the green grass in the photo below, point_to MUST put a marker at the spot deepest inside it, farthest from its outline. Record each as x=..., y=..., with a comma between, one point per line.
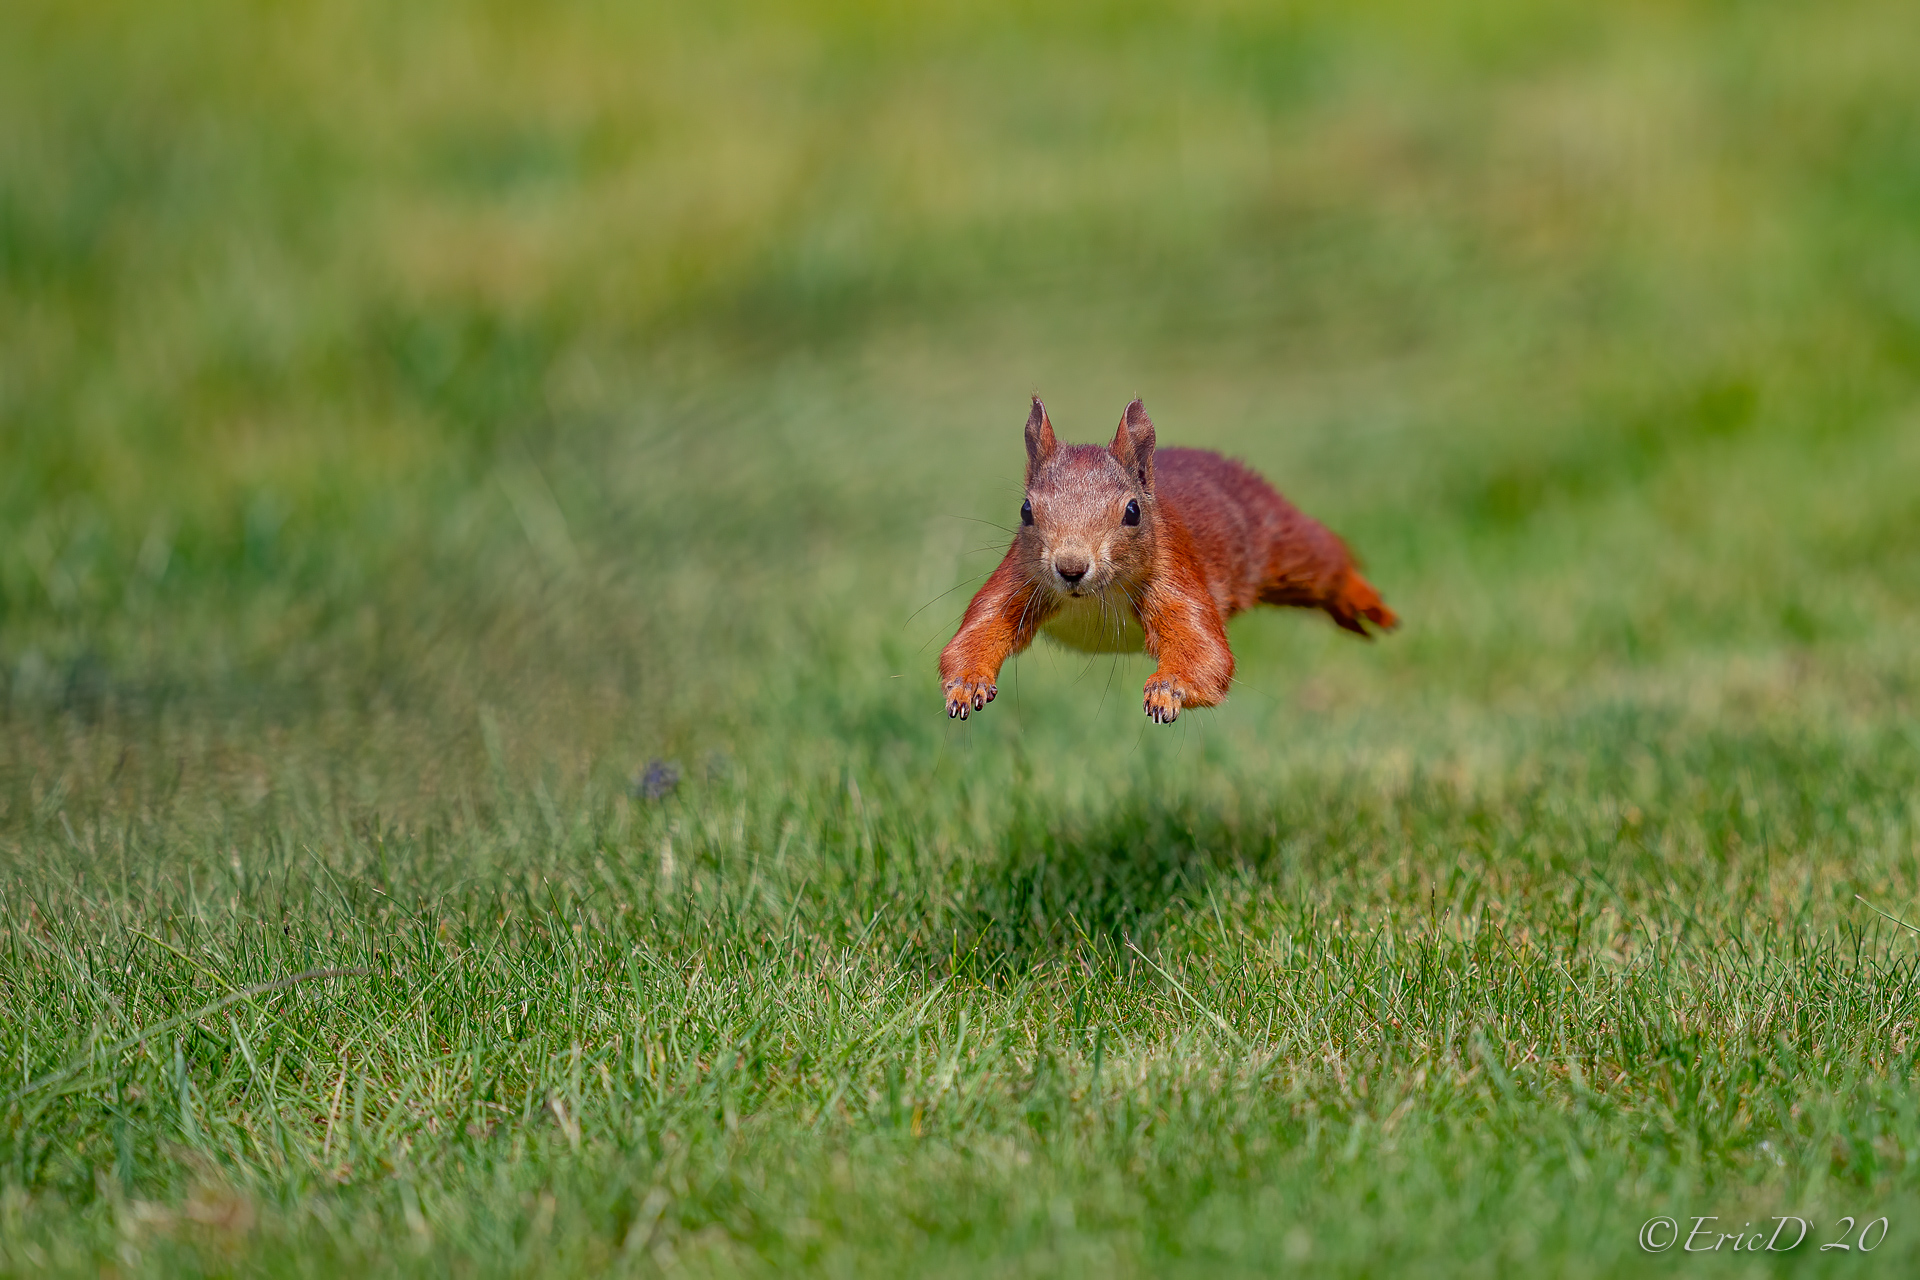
x=416, y=419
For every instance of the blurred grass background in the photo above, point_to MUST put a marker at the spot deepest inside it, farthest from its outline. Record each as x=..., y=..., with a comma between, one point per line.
x=415, y=419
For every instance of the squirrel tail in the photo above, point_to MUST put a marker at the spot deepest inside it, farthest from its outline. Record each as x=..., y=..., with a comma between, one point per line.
x=1356, y=599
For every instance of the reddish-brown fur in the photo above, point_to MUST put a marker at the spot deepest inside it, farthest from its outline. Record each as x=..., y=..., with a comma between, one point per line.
x=1209, y=539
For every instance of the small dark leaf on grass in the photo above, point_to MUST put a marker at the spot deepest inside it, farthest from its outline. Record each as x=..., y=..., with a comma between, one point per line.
x=658, y=781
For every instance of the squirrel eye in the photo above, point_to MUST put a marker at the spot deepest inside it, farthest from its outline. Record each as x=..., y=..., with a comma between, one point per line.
x=1132, y=515
x=1026, y=512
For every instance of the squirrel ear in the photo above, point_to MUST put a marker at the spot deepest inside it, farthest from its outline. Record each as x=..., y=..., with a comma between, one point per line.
x=1133, y=444
x=1040, y=441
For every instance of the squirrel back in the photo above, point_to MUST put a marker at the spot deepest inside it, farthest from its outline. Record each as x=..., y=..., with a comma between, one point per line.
x=1258, y=548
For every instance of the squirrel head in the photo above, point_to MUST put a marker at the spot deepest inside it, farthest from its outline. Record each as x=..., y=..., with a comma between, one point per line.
x=1088, y=518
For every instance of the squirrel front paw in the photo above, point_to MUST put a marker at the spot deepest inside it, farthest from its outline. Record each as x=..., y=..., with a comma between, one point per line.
x=969, y=693
x=1164, y=696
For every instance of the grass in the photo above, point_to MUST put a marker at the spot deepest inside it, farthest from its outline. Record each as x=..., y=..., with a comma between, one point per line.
x=417, y=420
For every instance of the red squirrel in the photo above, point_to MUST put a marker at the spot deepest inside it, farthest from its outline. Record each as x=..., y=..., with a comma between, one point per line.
x=1123, y=549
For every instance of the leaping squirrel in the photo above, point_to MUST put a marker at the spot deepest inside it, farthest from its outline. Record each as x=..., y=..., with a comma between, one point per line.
x=1123, y=549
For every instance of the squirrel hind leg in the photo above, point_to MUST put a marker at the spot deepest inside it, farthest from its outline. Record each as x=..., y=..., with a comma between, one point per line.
x=1356, y=599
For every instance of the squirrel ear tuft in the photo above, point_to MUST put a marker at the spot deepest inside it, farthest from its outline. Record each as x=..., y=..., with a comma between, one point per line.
x=1040, y=441
x=1133, y=444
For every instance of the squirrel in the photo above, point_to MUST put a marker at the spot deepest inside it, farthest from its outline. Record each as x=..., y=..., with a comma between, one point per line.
x=1125, y=549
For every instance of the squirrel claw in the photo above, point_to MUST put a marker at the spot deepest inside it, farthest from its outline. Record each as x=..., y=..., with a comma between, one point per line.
x=965, y=696
x=1162, y=701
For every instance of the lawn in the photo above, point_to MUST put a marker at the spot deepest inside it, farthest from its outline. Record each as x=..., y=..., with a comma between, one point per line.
x=421, y=423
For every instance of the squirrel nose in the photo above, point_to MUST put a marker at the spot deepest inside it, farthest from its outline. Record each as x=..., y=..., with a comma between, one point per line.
x=1071, y=570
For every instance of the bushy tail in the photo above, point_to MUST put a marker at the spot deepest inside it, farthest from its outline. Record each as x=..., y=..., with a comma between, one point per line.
x=1356, y=599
